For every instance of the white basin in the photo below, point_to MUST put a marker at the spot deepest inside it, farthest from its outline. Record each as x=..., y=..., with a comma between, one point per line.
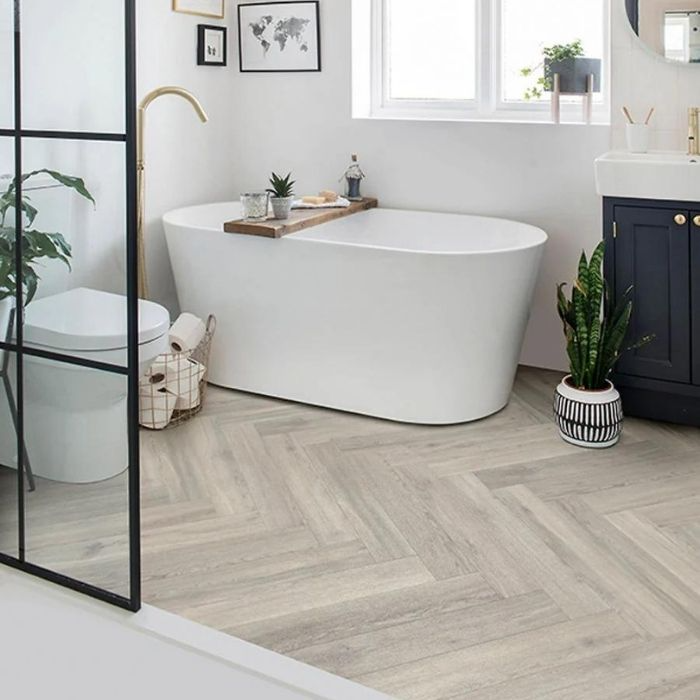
x=655, y=175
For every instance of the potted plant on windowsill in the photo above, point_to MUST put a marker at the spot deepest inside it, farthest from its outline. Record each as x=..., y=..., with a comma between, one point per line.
x=36, y=245
x=569, y=63
x=587, y=407
x=282, y=192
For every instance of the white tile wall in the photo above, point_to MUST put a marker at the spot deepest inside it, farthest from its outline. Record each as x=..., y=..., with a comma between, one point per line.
x=642, y=79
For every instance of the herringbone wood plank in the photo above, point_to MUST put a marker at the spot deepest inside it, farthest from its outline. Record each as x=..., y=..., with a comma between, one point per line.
x=488, y=560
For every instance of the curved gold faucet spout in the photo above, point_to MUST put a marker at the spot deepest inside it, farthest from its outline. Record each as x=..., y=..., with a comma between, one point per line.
x=141, y=167
x=151, y=97
x=179, y=92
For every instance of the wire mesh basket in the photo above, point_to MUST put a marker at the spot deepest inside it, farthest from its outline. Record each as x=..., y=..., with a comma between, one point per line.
x=174, y=388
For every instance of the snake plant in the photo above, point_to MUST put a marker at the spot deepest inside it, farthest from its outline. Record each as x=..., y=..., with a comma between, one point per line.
x=36, y=245
x=594, y=327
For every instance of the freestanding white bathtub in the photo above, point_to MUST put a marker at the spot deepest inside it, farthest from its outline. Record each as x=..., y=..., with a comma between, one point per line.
x=410, y=316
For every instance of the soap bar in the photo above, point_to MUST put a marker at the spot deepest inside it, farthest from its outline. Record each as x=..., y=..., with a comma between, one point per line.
x=329, y=195
x=313, y=200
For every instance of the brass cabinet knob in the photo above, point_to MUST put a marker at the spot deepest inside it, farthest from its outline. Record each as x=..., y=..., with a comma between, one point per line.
x=696, y=220
x=681, y=219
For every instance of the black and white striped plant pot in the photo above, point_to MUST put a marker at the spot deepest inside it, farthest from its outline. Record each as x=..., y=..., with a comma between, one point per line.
x=588, y=418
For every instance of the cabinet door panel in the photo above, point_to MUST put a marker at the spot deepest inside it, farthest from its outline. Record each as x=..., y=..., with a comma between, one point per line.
x=652, y=255
x=695, y=291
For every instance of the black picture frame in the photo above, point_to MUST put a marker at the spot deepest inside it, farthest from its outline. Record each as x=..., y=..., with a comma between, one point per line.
x=203, y=59
x=317, y=54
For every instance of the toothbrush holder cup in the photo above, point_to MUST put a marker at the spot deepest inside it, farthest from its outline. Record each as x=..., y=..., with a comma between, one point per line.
x=637, y=138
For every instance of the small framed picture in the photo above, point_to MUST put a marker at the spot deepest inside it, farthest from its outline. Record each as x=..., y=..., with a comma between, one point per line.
x=203, y=8
x=279, y=37
x=211, y=45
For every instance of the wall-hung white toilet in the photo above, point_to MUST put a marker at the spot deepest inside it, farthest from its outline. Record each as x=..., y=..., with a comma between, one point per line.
x=75, y=419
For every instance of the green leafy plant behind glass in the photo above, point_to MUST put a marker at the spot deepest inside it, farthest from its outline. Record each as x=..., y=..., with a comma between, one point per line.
x=595, y=330
x=36, y=245
x=552, y=54
x=282, y=186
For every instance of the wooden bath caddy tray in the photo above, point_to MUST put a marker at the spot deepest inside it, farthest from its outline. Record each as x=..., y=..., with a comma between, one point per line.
x=298, y=220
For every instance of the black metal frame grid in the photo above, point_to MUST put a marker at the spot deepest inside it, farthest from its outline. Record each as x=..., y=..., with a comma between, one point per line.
x=133, y=601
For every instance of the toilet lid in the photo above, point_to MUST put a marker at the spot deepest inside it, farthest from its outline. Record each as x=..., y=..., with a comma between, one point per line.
x=87, y=319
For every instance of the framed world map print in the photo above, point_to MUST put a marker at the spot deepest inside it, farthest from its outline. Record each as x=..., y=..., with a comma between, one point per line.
x=279, y=37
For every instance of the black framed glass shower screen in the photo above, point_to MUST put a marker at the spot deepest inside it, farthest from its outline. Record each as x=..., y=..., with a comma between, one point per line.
x=69, y=443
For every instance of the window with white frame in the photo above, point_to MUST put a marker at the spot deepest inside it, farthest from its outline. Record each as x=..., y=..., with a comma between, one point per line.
x=468, y=59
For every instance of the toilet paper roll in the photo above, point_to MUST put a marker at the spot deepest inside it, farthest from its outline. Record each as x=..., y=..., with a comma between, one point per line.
x=179, y=374
x=153, y=381
x=188, y=401
x=186, y=333
x=164, y=371
x=188, y=386
x=156, y=409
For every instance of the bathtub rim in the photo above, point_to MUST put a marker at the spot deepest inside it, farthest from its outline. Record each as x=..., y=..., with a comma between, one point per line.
x=542, y=238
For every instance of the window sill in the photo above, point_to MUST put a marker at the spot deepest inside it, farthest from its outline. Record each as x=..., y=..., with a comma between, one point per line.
x=503, y=117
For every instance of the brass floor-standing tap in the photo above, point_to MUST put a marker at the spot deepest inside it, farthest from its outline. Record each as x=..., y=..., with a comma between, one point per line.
x=693, y=132
x=141, y=169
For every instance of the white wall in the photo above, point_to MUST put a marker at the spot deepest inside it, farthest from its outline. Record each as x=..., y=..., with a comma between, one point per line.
x=6, y=68
x=541, y=174
x=187, y=162
x=643, y=79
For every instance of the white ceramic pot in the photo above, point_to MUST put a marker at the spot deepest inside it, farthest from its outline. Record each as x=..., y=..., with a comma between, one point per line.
x=588, y=418
x=6, y=306
x=282, y=206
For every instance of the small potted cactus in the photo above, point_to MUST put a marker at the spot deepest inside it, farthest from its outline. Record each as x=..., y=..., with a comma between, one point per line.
x=282, y=192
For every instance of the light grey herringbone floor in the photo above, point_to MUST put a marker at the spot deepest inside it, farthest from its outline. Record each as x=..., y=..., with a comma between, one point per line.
x=482, y=561
x=488, y=560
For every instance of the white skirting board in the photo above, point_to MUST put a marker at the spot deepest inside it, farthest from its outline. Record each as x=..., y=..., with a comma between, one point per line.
x=56, y=643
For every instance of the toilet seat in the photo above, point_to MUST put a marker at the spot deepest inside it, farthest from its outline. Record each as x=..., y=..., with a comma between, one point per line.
x=86, y=320
x=76, y=425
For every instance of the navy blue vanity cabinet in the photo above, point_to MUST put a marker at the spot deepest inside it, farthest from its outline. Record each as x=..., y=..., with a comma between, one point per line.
x=695, y=293
x=654, y=247
x=651, y=255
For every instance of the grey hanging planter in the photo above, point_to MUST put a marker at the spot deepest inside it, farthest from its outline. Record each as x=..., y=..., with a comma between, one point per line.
x=573, y=74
